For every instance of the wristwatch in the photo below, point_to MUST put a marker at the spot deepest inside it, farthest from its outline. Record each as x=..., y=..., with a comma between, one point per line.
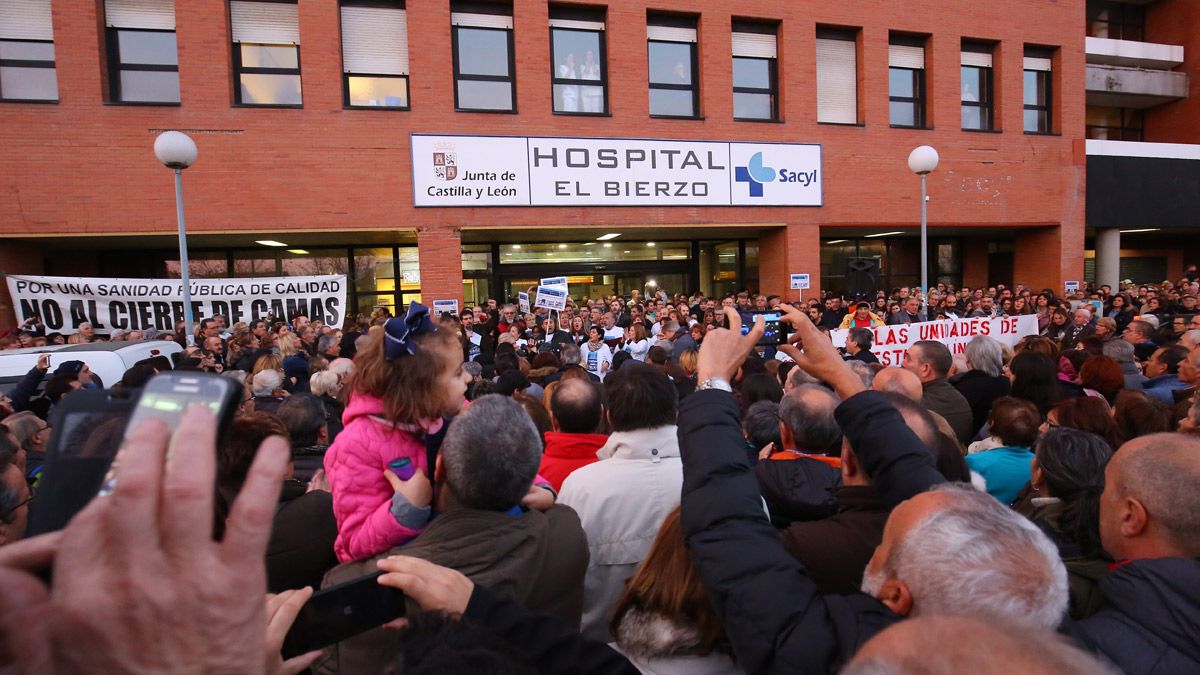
x=715, y=383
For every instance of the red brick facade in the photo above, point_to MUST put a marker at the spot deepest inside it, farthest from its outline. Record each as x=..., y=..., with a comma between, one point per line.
x=84, y=167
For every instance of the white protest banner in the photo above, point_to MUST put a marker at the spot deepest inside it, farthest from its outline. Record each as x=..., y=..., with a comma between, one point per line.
x=441, y=307
x=800, y=282
x=63, y=303
x=523, y=301
x=551, y=297
x=891, y=342
x=554, y=281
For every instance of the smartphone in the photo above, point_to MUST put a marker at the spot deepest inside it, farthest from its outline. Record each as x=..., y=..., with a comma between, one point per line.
x=774, y=328
x=89, y=425
x=340, y=612
x=86, y=430
x=167, y=395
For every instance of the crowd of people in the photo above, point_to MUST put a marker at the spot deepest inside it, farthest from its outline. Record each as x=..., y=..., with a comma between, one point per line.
x=632, y=485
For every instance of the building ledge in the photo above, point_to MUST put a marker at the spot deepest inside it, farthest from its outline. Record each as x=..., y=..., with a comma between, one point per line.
x=1122, y=87
x=1097, y=148
x=1133, y=54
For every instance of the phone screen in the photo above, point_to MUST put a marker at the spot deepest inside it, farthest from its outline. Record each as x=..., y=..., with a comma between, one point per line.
x=87, y=429
x=166, y=396
x=339, y=612
x=774, y=330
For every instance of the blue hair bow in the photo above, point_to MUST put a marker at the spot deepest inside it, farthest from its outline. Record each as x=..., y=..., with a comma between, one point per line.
x=399, y=332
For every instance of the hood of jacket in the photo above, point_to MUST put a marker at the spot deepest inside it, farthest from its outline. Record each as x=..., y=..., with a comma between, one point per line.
x=648, y=635
x=798, y=490
x=365, y=405
x=562, y=445
x=655, y=443
x=1162, y=595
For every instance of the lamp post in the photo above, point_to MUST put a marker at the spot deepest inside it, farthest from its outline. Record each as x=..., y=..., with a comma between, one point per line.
x=177, y=151
x=921, y=161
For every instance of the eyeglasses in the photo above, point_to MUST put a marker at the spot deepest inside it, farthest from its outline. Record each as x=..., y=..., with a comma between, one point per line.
x=8, y=515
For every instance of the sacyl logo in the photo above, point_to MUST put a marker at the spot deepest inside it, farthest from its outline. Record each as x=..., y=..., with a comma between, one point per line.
x=755, y=174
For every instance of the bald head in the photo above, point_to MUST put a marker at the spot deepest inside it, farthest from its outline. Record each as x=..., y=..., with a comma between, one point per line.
x=806, y=419
x=937, y=645
x=1150, y=506
x=900, y=381
x=577, y=406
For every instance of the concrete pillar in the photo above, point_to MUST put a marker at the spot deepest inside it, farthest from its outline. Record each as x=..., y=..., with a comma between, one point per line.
x=1108, y=257
x=439, y=253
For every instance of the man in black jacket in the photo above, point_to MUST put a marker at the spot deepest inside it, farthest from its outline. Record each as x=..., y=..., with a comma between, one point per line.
x=1150, y=524
x=773, y=615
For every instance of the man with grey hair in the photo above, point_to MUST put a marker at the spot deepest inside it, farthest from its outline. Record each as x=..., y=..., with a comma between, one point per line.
x=1191, y=339
x=538, y=559
x=570, y=357
x=797, y=479
x=329, y=346
x=773, y=614
x=1150, y=521
x=984, y=381
x=1123, y=353
x=1140, y=334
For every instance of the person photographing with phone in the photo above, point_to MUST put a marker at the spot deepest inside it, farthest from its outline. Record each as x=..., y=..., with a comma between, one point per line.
x=408, y=378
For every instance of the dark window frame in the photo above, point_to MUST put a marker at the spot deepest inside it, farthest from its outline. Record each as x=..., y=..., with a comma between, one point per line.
x=1128, y=20
x=1047, y=78
x=24, y=63
x=555, y=80
x=382, y=4
x=694, y=87
x=918, y=99
x=987, y=99
x=1126, y=131
x=773, y=91
x=239, y=70
x=116, y=66
x=511, y=79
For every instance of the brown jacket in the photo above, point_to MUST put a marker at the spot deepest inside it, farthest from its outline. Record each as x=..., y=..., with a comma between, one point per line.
x=538, y=559
x=835, y=551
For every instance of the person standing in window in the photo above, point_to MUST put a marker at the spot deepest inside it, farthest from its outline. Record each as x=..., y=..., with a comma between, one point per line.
x=570, y=93
x=593, y=97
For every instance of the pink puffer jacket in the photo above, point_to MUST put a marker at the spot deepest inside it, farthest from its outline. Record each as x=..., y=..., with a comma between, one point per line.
x=354, y=464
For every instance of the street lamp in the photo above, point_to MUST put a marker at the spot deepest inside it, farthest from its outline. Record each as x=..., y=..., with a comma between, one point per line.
x=921, y=161
x=177, y=151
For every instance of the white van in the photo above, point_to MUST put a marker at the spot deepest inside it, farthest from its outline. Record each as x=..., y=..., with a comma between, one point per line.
x=108, y=360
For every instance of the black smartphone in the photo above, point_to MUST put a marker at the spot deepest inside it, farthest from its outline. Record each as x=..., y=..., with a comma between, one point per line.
x=86, y=430
x=775, y=329
x=89, y=425
x=339, y=612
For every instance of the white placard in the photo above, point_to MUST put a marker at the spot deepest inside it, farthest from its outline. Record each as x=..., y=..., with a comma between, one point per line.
x=1071, y=286
x=891, y=342
x=554, y=281
x=63, y=303
x=545, y=171
x=523, y=302
x=800, y=282
x=442, y=306
x=551, y=297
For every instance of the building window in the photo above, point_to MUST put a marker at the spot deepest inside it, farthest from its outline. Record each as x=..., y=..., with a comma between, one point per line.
x=1037, y=92
x=837, y=76
x=1116, y=20
x=755, y=72
x=27, y=52
x=671, y=48
x=375, y=55
x=978, y=107
x=906, y=81
x=579, y=76
x=143, y=61
x=1115, y=124
x=484, y=78
x=266, y=53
